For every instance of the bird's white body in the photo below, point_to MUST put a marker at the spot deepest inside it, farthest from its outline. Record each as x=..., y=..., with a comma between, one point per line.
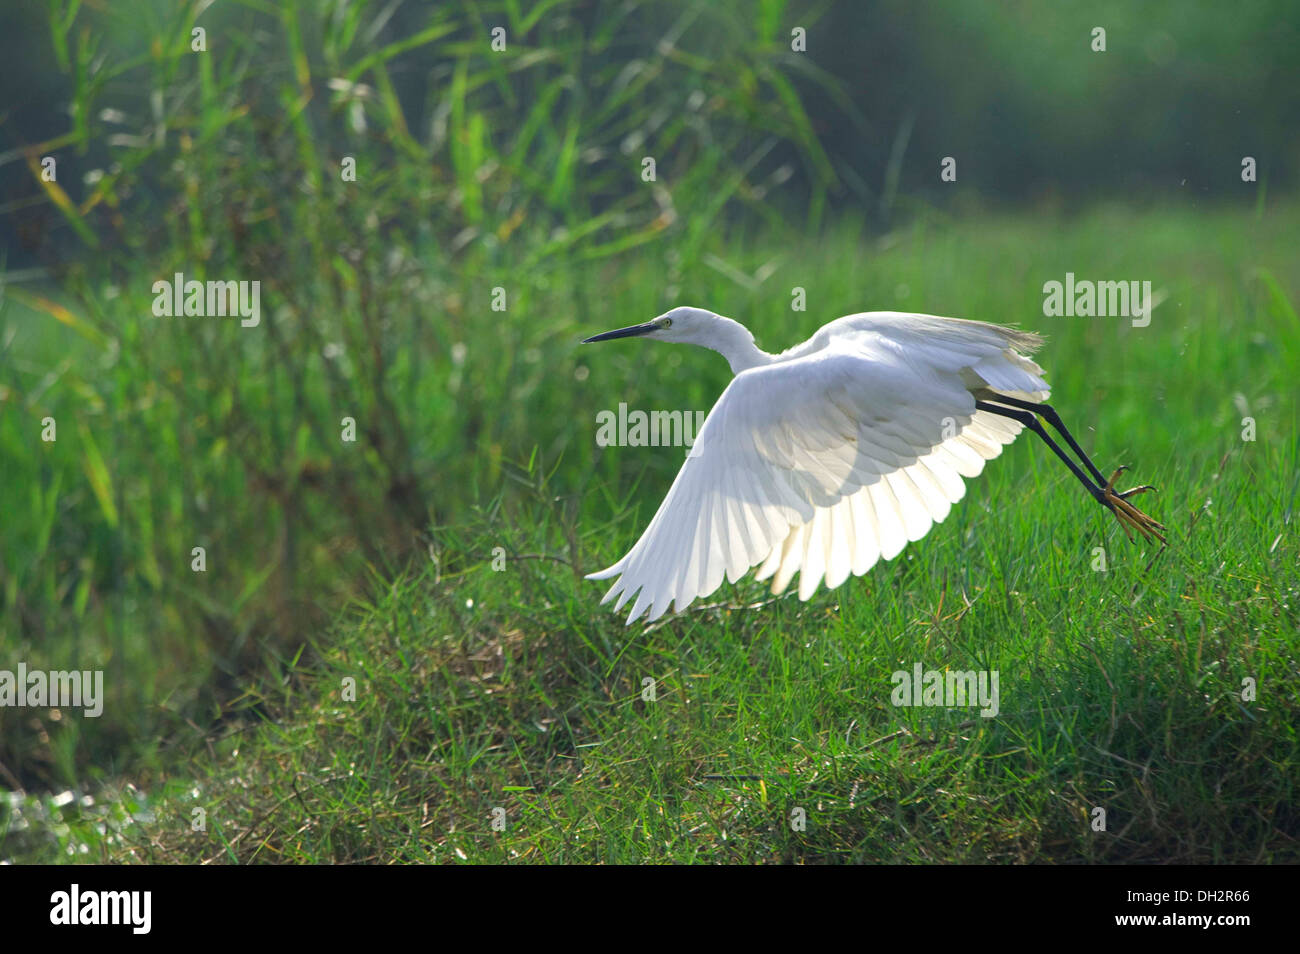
x=825, y=458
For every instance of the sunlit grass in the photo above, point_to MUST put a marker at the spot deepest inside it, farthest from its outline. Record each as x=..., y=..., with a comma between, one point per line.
x=1120, y=690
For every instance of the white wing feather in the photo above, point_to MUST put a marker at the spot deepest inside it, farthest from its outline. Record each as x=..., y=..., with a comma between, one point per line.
x=837, y=454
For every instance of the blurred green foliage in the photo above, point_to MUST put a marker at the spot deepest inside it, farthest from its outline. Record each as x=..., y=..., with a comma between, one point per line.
x=522, y=171
x=880, y=92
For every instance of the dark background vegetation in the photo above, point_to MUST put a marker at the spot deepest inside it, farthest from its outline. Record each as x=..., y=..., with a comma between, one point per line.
x=478, y=170
x=1182, y=93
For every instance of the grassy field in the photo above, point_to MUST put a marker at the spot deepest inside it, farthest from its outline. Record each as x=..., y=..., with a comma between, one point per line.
x=481, y=688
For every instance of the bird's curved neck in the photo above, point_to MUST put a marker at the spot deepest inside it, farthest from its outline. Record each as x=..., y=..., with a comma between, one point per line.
x=733, y=341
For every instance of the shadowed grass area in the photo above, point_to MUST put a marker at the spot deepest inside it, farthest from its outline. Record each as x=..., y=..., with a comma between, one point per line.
x=479, y=688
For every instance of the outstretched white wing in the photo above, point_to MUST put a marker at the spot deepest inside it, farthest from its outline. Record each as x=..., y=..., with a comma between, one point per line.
x=823, y=463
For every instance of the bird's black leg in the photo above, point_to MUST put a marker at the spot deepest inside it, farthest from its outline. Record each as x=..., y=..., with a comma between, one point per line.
x=1049, y=414
x=1030, y=421
x=1103, y=491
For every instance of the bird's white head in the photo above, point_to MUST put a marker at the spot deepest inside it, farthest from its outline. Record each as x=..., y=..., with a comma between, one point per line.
x=697, y=326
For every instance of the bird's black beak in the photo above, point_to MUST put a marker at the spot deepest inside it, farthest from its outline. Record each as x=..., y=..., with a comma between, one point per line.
x=631, y=331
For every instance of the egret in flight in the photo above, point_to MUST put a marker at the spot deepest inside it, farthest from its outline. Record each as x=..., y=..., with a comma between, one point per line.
x=829, y=456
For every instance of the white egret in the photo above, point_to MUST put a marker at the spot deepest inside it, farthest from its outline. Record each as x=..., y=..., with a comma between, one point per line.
x=829, y=456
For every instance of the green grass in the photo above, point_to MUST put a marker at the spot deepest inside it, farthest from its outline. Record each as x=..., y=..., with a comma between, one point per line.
x=476, y=170
x=479, y=689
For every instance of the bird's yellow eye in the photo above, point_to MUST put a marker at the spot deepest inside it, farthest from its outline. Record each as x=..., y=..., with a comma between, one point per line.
x=666, y=323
